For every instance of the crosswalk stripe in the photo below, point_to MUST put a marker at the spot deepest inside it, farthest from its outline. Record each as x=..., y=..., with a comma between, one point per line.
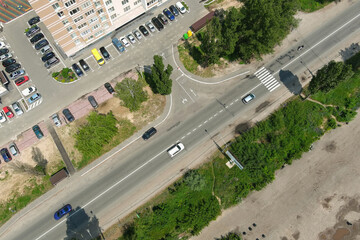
x=259, y=70
x=267, y=79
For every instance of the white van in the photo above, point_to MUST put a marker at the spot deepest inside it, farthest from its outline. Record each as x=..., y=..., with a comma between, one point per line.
x=181, y=7
x=175, y=149
x=28, y=91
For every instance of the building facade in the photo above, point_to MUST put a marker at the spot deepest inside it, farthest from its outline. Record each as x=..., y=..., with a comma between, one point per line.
x=74, y=24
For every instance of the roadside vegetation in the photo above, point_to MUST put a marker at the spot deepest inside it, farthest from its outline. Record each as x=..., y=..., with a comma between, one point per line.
x=262, y=149
x=159, y=78
x=313, y=5
x=66, y=75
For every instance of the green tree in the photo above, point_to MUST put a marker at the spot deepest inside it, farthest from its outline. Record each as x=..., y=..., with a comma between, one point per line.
x=160, y=81
x=230, y=236
x=230, y=33
x=131, y=93
x=194, y=180
x=329, y=76
x=210, y=41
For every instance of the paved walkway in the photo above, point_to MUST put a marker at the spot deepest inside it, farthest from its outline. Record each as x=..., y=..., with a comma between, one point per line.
x=11, y=9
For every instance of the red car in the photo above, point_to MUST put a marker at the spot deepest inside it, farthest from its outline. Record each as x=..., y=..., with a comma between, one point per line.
x=8, y=112
x=21, y=80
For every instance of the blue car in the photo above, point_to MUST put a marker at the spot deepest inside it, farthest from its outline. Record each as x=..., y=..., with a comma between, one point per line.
x=62, y=211
x=39, y=134
x=168, y=14
x=118, y=44
x=34, y=98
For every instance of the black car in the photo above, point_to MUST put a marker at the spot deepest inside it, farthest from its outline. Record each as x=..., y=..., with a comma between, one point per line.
x=84, y=65
x=39, y=134
x=105, y=53
x=157, y=23
x=31, y=32
x=162, y=19
x=4, y=51
x=36, y=38
x=8, y=62
x=93, y=102
x=12, y=67
x=109, y=88
x=77, y=70
x=143, y=30
x=41, y=44
x=34, y=20
x=174, y=10
x=68, y=115
x=47, y=56
x=149, y=133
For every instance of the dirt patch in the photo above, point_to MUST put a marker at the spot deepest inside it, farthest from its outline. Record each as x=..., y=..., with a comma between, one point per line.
x=225, y=4
x=331, y=147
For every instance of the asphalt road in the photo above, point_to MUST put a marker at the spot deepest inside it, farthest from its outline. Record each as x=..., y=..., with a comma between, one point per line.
x=104, y=189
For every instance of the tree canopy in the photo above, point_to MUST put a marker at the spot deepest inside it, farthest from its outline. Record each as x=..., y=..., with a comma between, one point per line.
x=131, y=93
x=159, y=79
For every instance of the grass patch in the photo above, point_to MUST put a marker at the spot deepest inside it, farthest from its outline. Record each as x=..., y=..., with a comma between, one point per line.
x=313, y=5
x=66, y=75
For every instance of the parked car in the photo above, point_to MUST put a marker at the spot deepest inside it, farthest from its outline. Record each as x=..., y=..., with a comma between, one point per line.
x=248, y=98
x=109, y=88
x=8, y=62
x=31, y=32
x=21, y=80
x=17, y=108
x=14, y=149
x=34, y=20
x=149, y=133
x=8, y=112
x=137, y=34
x=84, y=65
x=4, y=51
x=125, y=42
x=51, y=62
x=180, y=7
x=5, y=56
x=174, y=10
x=46, y=49
x=27, y=91
x=77, y=70
x=47, y=56
x=162, y=19
x=93, y=102
x=143, y=30
x=168, y=14
x=41, y=44
x=150, y=27
x=131, y=38
x=34, y=98
x=157, y=23
x=62, y=211
x=5, y=155
x=105, y=53
x=2, y=117
x=56, y=120
x=36, y=38
x=39, y=134
x=2, y=45
x=68, y=115
x=118, y=44
x=12, y=67
x=17, y=74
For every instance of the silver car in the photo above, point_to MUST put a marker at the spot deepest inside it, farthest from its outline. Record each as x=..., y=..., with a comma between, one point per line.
x=16, y=74
x=137, y=34
x=131, y=38
x=150, y=27
x=17, y=108
x=5, y=56
x=56, y=120
x=13, y=149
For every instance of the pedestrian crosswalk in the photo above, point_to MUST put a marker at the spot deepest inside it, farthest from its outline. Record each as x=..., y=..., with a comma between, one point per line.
x=35, y=104
x=267, y=79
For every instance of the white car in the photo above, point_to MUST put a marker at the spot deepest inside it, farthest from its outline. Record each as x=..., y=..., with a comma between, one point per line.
x=5, y=56
x=17, y=109
x=56, y=120
x=137, y=34
x=28, y=91
x=2, y=45
x=2, y=117
x=125, y=42
x=150, y=26
x=131, y=38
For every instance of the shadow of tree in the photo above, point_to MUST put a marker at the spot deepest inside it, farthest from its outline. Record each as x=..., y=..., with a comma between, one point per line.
x=196, y=54
x=290, y=81
x=81, y=226
x=350, y=51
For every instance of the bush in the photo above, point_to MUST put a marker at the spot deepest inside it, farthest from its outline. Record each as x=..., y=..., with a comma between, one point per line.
x=131, y=93
x=55, y=74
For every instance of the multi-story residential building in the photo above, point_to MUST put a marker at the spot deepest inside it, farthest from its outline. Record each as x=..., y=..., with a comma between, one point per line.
x=74, y=24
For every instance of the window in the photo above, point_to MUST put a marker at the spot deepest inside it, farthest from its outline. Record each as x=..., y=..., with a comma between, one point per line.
x=69, y=29
x=94, y=19
x=100, y=11
x=97, y=3
x=111, y=9
x=56, y=6
x=106, y=25
x=65, y=21
x=98, y=33
x=151, y=2
x=95, y=26
x=89, y=12
x=85, y=5
x=82, y=25
x=89, y=38
x=137, y=2
x=69, y=3
x=127, y=9
x=108, y=2
x=103, y=18
x=60, y=14
x=77, y=41
x=72, y=12
x=113, y=16
x=85, y=32
x=123, y=2
x=78, y=19
x=73, y=35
